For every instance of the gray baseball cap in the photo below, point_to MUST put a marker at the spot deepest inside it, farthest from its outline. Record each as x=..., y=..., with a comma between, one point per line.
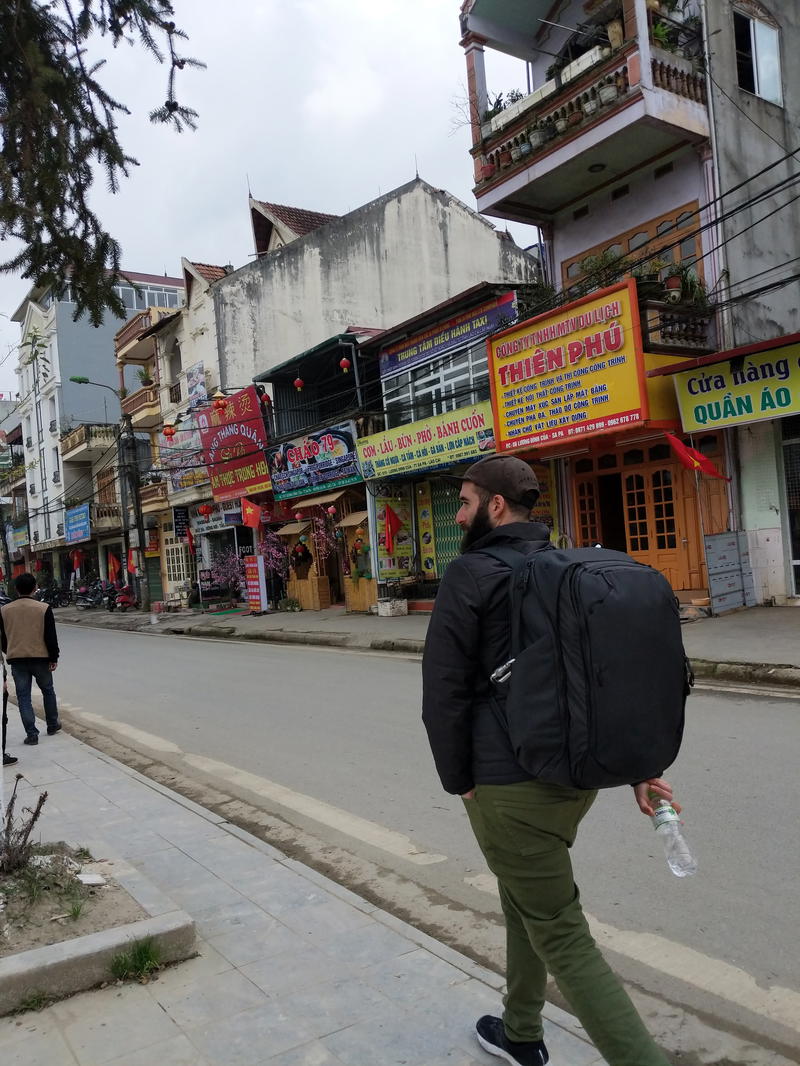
x=505, y=475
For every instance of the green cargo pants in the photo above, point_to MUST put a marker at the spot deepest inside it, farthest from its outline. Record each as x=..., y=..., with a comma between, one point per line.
x=525, y=831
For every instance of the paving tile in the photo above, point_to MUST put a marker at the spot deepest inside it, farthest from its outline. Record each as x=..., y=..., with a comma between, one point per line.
x=24, y=1042
x=208, y=999
x=172, y=868
x=261, y=938
x=396, y=1040
x=313, y=1054
x=227, y=857
x=323, y=919
x=296, y=970
x=413, y=977
x=234, y=913
x=277, y=889
x=338, y=1003
x=368, y=946
x=253, y=1036
x=178, y=1051
x=206, y=963
x=102, y=1025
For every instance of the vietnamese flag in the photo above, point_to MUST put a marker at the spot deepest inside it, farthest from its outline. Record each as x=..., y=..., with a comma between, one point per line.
x=113, y=567
x=131, y=562
x=393, y=525
x=694, y=460
x=251, y=514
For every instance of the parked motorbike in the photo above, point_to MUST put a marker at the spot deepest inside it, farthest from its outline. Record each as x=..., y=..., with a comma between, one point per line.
x=121, y=598
x=90, y=596
x=55, y=596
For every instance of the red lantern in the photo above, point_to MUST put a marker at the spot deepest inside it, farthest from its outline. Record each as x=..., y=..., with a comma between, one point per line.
x=298, y=384
x=169, y=432
x=266, y=399
x=331, y=510
x=345, y=364
x=298, y=516
x=205, y=509
x=220, y=403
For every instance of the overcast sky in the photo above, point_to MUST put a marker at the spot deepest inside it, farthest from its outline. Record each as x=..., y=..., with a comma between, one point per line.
x=322, y=104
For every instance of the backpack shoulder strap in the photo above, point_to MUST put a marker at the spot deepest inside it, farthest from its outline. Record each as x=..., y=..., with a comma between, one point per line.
x=518, y=580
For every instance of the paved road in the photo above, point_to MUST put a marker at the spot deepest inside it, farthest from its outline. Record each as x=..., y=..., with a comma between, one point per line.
x=341, y=732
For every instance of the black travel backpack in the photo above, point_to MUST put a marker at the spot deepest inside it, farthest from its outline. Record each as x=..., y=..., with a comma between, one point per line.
x=595, y=691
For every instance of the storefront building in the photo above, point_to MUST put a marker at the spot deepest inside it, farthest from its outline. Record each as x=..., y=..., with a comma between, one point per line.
x=752, y=394
x=573, y=386
x=438, y=416
x=317, y=476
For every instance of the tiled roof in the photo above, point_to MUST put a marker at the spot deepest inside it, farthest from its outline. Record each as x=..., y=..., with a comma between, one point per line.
x=208, y=271
x=297, y=219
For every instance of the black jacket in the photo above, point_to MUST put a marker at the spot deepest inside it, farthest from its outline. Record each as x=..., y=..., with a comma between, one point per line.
x=468, y=637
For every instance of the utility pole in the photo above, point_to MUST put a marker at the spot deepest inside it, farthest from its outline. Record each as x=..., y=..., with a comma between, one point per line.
x=132, y=471
x=129, y=462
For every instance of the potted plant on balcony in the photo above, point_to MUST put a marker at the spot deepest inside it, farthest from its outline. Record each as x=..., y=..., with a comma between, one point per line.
x=516, y=152
x=605, y=268
x=590, y=105
x=487, y=171
x=536, y=135
x=504, y=156
x=561, y=122
x=143, y=374
x=684, y=280
x=575, y=116
x=608, y=91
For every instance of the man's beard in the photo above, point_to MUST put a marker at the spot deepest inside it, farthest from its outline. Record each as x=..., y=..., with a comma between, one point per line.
x=478, y=527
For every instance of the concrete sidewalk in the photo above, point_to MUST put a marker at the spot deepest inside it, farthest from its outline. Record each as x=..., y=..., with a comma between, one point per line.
x=760, y=645
x=292, y=969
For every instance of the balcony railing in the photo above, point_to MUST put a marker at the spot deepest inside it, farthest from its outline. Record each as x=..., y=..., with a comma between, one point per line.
x=535, y=129
x=97, y=436
x=132, y=330
x=106, y=515
x=677, y=328
x=14, y=473
x=175, y=393
x=153, y=495
x=142, y=398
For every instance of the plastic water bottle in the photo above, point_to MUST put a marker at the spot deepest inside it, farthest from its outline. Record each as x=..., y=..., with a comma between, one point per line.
x=667, y=824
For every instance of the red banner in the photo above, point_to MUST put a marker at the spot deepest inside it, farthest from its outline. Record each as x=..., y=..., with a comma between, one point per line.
x=234, y=440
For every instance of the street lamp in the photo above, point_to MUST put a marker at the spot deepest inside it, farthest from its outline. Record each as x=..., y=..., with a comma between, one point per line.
x=124, y=454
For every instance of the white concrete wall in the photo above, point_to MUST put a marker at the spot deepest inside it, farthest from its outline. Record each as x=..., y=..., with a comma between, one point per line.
x=761, y=498
x=648, y=198
x=381, y=264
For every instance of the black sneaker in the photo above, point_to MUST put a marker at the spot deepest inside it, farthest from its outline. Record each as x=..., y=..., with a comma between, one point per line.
x=492, y=1038
x=53, y=729
x=9, y=760
x=32, y=739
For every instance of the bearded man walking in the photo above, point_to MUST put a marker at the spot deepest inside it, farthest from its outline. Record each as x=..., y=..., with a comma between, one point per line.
x=525, y=827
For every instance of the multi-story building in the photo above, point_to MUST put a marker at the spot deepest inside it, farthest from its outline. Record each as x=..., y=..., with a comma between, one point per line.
x=656, y=138
x=70, y=446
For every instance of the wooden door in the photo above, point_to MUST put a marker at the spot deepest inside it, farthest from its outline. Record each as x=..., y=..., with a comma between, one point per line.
x=656, y=522
x=587, y=519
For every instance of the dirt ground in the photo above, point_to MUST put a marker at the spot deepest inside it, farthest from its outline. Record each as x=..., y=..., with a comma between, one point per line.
x=46, y=904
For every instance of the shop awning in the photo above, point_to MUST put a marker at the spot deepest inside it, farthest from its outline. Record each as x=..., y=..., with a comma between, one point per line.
x=291, y=528
x=316, y=501
x=354, y=519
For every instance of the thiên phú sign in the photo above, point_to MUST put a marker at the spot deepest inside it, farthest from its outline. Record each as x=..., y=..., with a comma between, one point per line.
x=569, y=374
x=749, y=388
x=234, y=443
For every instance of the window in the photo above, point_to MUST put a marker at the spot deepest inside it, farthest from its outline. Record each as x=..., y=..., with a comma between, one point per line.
x=444, y=385
x=758, y=57
x=107, y=487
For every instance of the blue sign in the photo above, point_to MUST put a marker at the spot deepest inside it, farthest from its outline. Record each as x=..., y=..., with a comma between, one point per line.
x=78, y=524
x=456, y=332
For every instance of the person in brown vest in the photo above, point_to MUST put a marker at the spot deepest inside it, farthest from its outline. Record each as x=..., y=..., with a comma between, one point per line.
x=28, y=634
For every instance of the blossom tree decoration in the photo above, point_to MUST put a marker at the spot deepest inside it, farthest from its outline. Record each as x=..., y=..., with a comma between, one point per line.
x=226, y=570
x=276, y=555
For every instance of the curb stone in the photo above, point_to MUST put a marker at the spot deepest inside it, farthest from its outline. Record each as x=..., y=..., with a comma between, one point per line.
x=748, y=673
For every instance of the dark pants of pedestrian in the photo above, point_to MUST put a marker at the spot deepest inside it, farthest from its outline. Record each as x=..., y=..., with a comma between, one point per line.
x=525, y=831
x=25, y=672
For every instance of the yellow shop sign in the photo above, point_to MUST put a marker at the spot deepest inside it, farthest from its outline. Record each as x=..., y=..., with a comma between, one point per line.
x=429, y=444
x=570, y=374
x=748, y=388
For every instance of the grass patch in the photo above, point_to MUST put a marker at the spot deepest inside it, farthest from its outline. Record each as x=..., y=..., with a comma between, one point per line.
x=35, y=1001
x=82, y=854
x=140, y=960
